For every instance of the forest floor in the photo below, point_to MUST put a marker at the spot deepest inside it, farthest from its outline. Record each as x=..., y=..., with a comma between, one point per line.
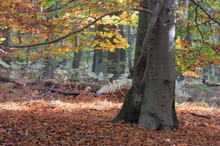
x=57, y=119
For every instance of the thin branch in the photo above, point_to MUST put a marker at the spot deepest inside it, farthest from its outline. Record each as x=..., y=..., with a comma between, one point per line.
x=66, y=36
x=143, y=9
x=202, y=116
x=197, y=26
x=58, y=8
x=74, y=32
x=42, y=95
x=207, y=13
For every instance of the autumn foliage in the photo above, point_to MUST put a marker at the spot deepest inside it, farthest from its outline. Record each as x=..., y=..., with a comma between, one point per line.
x=36, y=29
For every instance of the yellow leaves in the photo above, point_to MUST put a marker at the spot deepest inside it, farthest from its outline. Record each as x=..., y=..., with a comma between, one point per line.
x=65, y=49
x=115, y=40
x=33, y=54
x=2, y=39
x=67, y=15
x=191, y=73
x=59, y=49
x=86, y=22
x=181, y=43
x=124, y=14
x=44, y=36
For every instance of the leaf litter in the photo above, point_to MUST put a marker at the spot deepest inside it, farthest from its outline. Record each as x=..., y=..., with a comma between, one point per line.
x=86, y=120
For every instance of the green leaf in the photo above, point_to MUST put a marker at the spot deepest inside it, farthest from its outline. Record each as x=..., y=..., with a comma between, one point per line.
x=48, y=3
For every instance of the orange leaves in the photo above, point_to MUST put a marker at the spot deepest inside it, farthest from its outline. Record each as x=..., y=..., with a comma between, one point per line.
x=181, y=44
x=183, y=8
x=28, y=4
x=64, y=120
x=86, y=120
x=65, y=49
x=66, y=31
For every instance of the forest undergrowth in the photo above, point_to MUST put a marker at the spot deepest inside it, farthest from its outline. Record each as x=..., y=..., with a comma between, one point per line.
x=85, y=119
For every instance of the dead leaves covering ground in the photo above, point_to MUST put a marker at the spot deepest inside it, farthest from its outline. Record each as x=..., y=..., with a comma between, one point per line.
x=84, y=120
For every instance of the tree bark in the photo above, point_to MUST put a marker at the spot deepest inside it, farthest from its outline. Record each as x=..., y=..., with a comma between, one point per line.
x=76, y=59
x=100, y=57
x=141, y=31
x=131, y=108
x=150, y=101
x=49, y=67
x=99, y=62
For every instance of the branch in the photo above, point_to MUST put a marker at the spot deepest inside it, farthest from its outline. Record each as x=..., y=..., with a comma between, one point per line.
x=58, y=8
x=143, y=9
x=42, y=95
x=151, y=25
x=66, y=36
x=202, y=116
x=7, y=79
x=207, y=13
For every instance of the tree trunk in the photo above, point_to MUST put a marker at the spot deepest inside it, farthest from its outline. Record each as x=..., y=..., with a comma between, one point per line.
x=5, y=33
x=76, y=59
x=130, y=38
x=99, y=62
x=150, y=101
x=49, y=67
x=100, y=57
x=117, y=59
x=141, y=31
x=77, y=55
x=131, y=108
x=114, y=63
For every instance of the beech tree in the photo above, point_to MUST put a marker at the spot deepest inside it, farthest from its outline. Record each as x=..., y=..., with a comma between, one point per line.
x=150, y=101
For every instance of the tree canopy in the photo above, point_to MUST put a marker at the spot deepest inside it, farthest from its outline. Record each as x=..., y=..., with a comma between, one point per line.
x=55, y=23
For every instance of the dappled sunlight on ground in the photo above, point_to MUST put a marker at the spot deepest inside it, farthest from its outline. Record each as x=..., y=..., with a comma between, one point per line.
x=86, y=120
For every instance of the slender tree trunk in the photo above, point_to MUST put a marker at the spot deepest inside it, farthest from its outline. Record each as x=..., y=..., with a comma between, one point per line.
x=6, y=34
x=100, y=62
x=49, y=67
x=130, y=39
x=77, y=55
x=150, y=101
x=122, y=53
x=114, y=63
x=100, y=57
x=76, y=59
x=117, y=59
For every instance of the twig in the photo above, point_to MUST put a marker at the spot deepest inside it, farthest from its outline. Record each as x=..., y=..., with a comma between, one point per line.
x=73, y=92
x=202, y=116
x=207, y=13
x=42, y=95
